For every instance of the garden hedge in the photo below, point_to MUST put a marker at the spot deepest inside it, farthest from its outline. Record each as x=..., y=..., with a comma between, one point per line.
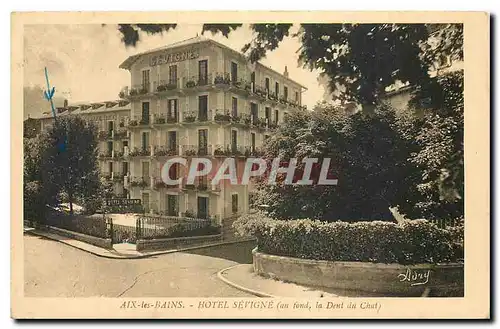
x=408, y=242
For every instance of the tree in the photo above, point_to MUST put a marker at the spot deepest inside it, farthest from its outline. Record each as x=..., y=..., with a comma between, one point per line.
x=368, y=157
x=69, y=160
x=439, y=134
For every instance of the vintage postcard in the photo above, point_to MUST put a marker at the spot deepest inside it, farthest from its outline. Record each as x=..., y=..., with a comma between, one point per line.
x=250, y=165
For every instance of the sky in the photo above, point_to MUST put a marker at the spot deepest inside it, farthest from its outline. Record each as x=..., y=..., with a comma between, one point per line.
x=83, y=60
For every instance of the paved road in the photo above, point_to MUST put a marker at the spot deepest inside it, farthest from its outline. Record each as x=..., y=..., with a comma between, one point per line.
x=53, y=269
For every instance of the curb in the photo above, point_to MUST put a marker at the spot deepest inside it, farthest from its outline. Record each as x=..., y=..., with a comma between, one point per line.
x=237, y=286
x=117, y=255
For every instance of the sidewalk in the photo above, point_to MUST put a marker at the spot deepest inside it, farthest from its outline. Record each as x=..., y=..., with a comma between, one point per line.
x=243, y=278
x=119, y=251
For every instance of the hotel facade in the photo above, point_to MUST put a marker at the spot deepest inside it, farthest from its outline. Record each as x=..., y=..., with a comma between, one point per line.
x=194, y=98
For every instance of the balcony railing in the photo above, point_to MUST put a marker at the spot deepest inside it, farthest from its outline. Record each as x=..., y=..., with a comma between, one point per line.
x=118, y=176
x=140, y=89
x=105, y=134
x=139, y=121
x=141, y=182
x=160, y=119
x=167, y=85
x=120, y=134
x=143, y=151
x=106, y=154
x=193, y=150
x=106, y=175
x=196, y=116
x=166, y=150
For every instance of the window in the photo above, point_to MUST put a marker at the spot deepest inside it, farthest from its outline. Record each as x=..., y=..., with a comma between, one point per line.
x=172, y=141
x=234, y=72
x=110, y=167
x=276, y=116
x=268, y=114
x=110, y=126
x=234, y=141
x=203, y=108
x=110, y=147
x=203, y=72
x=203, y=142
x=172, y=74
x=234, y=107
x=172, y=205
x=145, y=201
x=125, y=144
x=145, y=170
x=267, y=85
x=297, y=97
x=234, y=203
x=285, y=92
x=202, y=207
x=125, y=168
x=145, y=113
x=145, y=80
x=252, y=135
x=254, y=112
x=172, y=111
x=277, y=89
x=145, y=140
x=252, y=80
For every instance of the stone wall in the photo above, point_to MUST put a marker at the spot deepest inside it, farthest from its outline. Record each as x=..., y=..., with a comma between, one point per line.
x=384, y=279
x=175, y=243
x=100, y=242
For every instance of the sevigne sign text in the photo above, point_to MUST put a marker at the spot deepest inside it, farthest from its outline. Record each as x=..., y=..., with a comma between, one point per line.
x=174, y=57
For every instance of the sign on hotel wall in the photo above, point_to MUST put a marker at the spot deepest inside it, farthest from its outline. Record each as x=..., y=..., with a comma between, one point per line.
x=166, y=58
x=122, y=202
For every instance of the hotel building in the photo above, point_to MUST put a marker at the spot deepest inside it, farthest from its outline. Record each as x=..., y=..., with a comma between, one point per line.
x=194, y=98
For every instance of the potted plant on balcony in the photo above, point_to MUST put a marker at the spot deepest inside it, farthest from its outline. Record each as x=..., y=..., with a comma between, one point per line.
x=189, y=214
x=132, y=123
x=218, y=79
x=172, y=119
x=190, y=84
x=133, y=92
x=222, y=117
x=189, y=118
x=161, y=88
x=235, y=118
x=227, y=79
x=160, y=120
x=160, y=184
x=171, y=86
x=143, y=91
x=219, y=151
x=190, y=152
x=122, y=124
x=248, y=86
x=121, y=94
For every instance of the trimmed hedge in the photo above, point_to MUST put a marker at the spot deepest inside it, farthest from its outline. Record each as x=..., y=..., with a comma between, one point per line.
x=409, y=242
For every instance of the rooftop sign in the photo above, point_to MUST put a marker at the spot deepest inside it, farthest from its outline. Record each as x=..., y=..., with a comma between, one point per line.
x=174, y=57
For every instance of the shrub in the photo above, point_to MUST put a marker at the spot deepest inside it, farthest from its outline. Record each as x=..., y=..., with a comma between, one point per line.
x=409, y=242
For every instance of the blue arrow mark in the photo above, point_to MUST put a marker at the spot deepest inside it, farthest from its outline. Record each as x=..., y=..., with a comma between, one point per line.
x=49, y=93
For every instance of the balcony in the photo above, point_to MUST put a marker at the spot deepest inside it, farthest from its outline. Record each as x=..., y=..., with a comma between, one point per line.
x=235, y=151
x=105, y=134
x=139, y=122
x=195, y=150
x=106, y=175
x=140, y=152
x=118, y=155
x=195, y=117
x=105, y=155
x=141, y=182
x=117, y=177
x=166, y=87
x=120, y=134
x=161, y=119
x=139, y=91
x=160, y=151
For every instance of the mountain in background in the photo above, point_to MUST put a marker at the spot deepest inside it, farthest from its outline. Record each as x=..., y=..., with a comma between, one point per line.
x=35, y=103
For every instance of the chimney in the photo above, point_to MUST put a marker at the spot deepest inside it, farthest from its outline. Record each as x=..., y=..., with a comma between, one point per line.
x=286, y=72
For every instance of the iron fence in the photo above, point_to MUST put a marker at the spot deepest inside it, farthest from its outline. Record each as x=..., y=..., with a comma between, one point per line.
x=153, y=227
x=94, y=225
